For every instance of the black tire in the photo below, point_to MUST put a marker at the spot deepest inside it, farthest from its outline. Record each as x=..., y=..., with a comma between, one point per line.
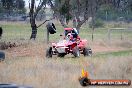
x=87, y=52
x=84, y=81
x=1, y=32
x=76, y=52
x=51, y=28
x=2, y=56
x=61, y=54
x=8, y=86
x=13, y=86
x=49, y=52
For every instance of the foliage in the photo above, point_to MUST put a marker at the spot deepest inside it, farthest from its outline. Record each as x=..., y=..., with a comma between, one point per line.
x=102, y=9
x=12, y=6
x=64, y=10
x=108, y=13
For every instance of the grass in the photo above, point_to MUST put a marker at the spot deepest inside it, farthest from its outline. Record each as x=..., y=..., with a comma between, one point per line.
x=27, y=65
x=114, y=54
x=23, y=30
x=62, y=72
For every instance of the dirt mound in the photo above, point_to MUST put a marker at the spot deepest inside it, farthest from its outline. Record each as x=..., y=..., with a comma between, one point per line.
x=6, y=45
x=27, y=50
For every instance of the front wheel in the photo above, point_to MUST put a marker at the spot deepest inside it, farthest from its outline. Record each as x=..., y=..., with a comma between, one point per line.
x=49, y=52
x=76, y=52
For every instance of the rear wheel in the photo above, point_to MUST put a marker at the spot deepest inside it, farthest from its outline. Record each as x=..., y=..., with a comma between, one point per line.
x=87, y=52
x=49, y=52
x=76, y=52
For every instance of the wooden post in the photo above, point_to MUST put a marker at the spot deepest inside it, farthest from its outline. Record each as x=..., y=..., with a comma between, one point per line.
x=93, y=22
x=109, y=35
x=47, y=36
x=106, y=15
x=122, y=31
x=92, y=35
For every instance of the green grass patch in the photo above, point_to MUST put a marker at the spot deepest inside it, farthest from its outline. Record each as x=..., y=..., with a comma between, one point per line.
x=115, y=54
x=18, y=30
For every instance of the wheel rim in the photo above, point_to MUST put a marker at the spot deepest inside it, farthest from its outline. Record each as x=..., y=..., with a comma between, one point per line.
x=78, y=53
x=90, y=52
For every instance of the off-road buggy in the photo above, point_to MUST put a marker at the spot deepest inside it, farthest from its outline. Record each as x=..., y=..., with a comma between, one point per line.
x=70, y=44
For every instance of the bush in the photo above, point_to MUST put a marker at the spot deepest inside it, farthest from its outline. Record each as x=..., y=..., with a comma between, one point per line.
x=98, y=23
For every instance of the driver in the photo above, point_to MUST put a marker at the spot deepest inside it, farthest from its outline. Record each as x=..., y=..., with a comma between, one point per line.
x=75, y=33
x=69, y=37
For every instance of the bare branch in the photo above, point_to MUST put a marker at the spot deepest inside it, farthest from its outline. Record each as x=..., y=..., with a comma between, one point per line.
x=52, y=6
x=62, y=22
x=85, y=15
x=58, y=14
x=40, y=2
x=44, y=22
x=81, y=22
x=29, y=4
x=40, y=7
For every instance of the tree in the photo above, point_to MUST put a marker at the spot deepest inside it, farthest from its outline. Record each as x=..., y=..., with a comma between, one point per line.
x=7, y=4
x=13, y=6
x=65, y=10
x=33, y=14
x=19, y=6
x=80, y=10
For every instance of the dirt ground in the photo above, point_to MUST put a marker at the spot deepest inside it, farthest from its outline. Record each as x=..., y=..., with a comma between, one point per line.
x=38, y=49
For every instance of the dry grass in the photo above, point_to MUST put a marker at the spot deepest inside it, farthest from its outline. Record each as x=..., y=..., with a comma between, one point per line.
x=26, y=65
x=58, y=73
x=38, y=72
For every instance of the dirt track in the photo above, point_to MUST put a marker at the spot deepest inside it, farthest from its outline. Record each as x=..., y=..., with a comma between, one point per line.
x=98, y=48
x=38, y=49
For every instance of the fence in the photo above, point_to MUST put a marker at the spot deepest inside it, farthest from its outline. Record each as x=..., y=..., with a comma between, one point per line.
x=120, y=31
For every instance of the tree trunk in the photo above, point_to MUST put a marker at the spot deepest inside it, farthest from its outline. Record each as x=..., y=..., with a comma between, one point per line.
x=62, y=21
x=32, y=20
x=74, y=22
x=34, y=31
x=79, y=21
x=34, y=28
